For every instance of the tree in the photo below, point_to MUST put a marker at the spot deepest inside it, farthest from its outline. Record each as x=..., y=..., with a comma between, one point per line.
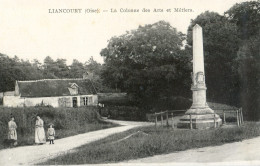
x=248, y=62
x=7, y=73
x=221, y=43
x=246, y=16
x=93, y=69
x=148, y=63
x=48, y=68
x=12, y=69
x=93, y=66
x=61, y=68
x=76, y=69
x=55, y=69
x=36, y=64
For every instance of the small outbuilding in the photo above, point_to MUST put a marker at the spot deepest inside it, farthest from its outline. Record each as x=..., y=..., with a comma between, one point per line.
x=53, y=92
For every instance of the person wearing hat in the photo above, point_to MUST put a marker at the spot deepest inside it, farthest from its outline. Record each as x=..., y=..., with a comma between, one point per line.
x=51, y=133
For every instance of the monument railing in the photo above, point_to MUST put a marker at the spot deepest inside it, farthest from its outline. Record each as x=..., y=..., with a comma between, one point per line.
x=167, y=113
x=237, y=111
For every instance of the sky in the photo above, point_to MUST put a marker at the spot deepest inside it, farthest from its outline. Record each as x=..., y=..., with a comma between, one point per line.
x=30, y=31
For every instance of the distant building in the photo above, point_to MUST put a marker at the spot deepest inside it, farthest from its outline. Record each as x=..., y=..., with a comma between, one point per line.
x=53, y=92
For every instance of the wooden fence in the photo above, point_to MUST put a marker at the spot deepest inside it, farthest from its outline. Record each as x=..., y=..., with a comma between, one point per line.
x=238, y=114
x=167, y=113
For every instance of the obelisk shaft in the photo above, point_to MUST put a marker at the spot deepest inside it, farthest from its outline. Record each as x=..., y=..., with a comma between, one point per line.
x=198, y=57
x=199, y=86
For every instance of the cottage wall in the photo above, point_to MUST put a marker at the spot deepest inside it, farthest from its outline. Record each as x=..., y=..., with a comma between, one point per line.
x=94, y=100
x=16, y=90
x=60, y=101
x=12, y=101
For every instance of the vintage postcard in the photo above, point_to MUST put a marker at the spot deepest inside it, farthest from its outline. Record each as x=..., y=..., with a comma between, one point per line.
x=129, y=82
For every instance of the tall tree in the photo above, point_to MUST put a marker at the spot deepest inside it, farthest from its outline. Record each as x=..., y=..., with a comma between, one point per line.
x=61, y=68
x=93, y=66
x=246, y=16
x=148, y=62
x=248, y=61
x=55, y=69
x=12, y=69
x=76, y=69
x=49, y=68
x=93, y=69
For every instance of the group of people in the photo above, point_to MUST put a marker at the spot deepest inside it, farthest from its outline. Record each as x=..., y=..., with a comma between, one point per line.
x=40, y=137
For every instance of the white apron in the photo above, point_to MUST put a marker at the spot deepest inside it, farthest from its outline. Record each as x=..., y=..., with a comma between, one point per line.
x=39, y=132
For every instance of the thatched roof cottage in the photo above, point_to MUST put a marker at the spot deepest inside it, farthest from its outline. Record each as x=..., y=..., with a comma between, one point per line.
x=53, y=92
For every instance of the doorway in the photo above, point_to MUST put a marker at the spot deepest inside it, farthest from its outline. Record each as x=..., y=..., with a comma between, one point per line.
x=74, y=102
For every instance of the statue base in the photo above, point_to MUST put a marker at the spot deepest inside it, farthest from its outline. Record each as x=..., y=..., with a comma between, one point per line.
x=200, y=121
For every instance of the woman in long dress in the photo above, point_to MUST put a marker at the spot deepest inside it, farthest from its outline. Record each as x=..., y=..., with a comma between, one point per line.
x=40, y=137
x=12, y=134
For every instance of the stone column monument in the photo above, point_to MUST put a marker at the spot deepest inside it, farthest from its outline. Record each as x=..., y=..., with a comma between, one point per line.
x=200, y=114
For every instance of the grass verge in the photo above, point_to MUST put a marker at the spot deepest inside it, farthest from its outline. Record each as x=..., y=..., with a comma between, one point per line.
x=67, y=122
x=150, y=141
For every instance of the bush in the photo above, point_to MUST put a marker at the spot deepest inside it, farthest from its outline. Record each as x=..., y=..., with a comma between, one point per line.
x=124, y=109
x=67, y=121
x=131, y=113
x=173, y=103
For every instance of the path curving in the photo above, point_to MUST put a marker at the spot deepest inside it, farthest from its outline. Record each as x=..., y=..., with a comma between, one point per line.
x=30, y=155
x=237, y=153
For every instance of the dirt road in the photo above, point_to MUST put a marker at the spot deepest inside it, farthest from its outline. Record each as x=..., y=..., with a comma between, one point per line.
x=38, y=153
x=245, y=151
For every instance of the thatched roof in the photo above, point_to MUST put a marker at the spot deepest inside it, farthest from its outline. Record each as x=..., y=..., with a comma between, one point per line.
x=54, y=87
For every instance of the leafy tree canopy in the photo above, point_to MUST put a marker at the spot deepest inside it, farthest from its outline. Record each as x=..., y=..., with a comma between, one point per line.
x=147, y=62
x=246, y=16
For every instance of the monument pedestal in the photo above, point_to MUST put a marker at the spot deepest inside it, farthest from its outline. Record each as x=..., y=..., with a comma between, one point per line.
x=201, y=118
x=200, y=114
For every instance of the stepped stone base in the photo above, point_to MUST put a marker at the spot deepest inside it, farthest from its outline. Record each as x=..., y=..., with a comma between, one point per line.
x=199, y=121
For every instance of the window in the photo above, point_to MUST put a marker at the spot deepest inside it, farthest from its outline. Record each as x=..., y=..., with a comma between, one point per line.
x=73, y=89
x=85, y=100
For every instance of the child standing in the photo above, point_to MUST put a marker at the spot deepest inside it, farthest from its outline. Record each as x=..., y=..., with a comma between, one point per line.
x=51, y=134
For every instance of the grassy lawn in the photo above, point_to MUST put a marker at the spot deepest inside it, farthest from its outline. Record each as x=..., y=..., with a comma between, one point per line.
x=149, y=141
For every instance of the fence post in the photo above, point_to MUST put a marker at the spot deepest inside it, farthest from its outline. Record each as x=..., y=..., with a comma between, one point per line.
x=24, y=119
x=172, y=121
x=242, y=115
x=237, y=118
x=215, y=124
x=240, y=119
x=190, y=122
x=155, y=120
x=224, y=117
x=161, y=119
x=167, y=119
